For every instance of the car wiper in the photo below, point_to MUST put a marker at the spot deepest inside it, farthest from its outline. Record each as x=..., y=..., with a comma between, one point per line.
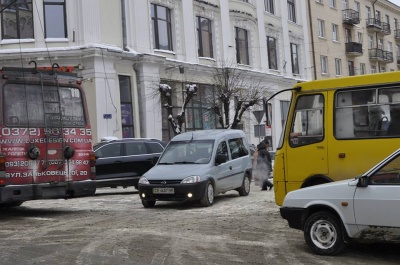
x=184, y=162
x=166, y=163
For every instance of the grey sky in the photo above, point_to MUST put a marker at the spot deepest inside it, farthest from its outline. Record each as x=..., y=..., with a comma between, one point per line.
x=397, y=2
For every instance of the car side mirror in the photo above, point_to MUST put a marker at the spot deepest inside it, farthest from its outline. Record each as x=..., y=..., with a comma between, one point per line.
x=155, y=160
x=96, y=157
x=363, y=182
x=220, y=159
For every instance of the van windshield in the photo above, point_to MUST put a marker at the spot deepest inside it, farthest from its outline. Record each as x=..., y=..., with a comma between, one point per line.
x=187, y=152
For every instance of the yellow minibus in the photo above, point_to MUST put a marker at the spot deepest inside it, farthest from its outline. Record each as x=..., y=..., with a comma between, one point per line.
x=336, y=129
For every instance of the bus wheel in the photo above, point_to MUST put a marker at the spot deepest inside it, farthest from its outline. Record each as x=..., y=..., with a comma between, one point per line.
x=323, y=233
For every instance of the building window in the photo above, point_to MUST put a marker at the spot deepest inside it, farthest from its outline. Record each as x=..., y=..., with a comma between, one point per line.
x=332, y=3
x=359, y=37
x=358, y=7
x=242, y=46
x=351, y=68
x=55, y=19
x=324, y=64
x=321, y=28
x=291, y=10
x=295, y=58
x=204, y=37
x=161, y=24
x=272, y=53
x=269, y=6
x=126, y=106
x=368, y=12
x=338, y=66
x=362, y=69
x=335, y=32
x=370, y=42
x=347, y=33
x=373, y=69
x=17, y=19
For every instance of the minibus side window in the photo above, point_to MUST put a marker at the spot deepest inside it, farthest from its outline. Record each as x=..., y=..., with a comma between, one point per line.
x=367, y=113
x=308, y=121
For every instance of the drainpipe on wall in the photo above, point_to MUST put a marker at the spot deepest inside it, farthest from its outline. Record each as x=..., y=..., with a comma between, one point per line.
x=376, y=33
x=312, y=39
x=124, y=42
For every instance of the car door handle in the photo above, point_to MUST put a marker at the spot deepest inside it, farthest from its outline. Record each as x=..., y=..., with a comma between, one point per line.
x=230, y=167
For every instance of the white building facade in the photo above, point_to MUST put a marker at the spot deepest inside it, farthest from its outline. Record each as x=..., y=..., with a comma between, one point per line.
x=123, y=50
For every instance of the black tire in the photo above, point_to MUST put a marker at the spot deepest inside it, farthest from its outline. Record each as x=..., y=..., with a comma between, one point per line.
x=208, y=198
x=324, y=233
x=244, y=190
x=148, y=204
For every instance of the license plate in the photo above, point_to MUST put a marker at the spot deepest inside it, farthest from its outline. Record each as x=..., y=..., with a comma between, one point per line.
x=163, y=190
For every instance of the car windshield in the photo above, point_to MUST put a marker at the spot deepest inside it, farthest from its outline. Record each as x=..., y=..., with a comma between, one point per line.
x=187, y=152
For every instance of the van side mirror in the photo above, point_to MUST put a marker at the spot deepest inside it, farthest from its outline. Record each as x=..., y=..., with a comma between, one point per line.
x=220, y=159
x=363, y=182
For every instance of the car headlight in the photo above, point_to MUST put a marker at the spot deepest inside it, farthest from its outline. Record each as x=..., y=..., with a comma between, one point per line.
x=191, y=179
x=143, y=180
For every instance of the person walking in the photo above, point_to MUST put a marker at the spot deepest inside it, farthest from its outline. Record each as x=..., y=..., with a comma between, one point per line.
x=263, y=167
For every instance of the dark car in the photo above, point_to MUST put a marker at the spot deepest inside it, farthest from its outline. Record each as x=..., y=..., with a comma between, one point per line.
x=123, y=162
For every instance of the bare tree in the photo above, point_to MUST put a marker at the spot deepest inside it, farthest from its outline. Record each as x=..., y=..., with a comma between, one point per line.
x=235, y=84
x=179, y=120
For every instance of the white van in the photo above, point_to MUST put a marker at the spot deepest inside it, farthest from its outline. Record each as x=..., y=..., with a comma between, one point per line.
x=197, y=166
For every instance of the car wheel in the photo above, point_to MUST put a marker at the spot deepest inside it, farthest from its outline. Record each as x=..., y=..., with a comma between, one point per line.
x=148, y=204
x=244, y=190
x=324, y=234
x=208, y=197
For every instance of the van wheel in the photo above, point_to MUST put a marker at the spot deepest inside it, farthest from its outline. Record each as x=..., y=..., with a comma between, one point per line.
x=324, y=234
x=244, y=190
x=148, y=204
x=208, y=197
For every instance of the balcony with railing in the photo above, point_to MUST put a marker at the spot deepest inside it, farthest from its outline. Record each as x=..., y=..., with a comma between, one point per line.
x=397, y=34
x=388, y=56
x=374, y=25
x=376, y=54
x=354, y=49
x=351, y=17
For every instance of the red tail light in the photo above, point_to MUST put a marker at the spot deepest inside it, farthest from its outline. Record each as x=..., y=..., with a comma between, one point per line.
x=92, y=159
x=2, y=162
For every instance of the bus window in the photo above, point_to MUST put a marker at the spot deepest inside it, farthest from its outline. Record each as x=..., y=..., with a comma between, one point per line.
x=25, y=103
x=308, y=121
x=367, y=113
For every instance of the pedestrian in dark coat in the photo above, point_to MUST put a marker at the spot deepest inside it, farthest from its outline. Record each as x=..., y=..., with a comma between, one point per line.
x=263, y=166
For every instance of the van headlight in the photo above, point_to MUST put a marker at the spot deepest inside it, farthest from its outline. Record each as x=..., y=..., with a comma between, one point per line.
x=191, y=179
x=143, y=180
